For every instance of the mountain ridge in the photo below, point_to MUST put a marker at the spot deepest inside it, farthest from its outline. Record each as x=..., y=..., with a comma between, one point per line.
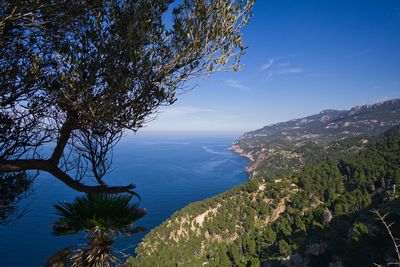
x=293, y=139
x=331, y=116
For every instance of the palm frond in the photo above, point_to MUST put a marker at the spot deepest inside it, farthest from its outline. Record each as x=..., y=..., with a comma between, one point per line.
x=101, y=212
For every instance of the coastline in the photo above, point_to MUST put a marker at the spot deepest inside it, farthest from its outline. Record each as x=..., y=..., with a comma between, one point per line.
x=236, y=149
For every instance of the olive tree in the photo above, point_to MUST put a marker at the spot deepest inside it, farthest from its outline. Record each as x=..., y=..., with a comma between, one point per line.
x=76, y=75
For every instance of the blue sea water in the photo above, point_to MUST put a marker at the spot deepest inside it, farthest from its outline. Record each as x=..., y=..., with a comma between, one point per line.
x=170, y=171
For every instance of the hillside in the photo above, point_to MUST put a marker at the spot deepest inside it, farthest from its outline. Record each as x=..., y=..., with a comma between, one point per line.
x=317, y=214
x=320, y=216
x=279, y=149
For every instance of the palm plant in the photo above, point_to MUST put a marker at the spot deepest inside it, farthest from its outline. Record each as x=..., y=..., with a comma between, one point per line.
x=103, y=217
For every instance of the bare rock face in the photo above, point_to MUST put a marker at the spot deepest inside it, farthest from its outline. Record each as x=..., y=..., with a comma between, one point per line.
x=327, y=216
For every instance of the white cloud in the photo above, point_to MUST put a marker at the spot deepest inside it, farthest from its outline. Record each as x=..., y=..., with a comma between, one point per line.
x=236, y=84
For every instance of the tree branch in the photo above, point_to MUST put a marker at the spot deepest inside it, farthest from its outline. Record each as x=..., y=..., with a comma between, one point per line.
x=381, y=218
x=65, y=134
x=48, y=166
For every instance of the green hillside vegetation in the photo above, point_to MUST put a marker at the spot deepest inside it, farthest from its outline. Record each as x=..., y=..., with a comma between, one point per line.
x=318, y=215
x=290, y=158
x=280, y=149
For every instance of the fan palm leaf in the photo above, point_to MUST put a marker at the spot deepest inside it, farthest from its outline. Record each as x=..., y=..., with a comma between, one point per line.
x=103, y=217
x=101, y=213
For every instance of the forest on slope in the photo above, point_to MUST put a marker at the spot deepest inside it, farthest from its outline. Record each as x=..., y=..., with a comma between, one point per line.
x=319, y=215
x=279, y=149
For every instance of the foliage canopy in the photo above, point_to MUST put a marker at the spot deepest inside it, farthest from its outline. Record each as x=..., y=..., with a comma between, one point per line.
x=77, y=76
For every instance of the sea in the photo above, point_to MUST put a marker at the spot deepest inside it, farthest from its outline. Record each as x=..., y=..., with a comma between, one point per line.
x=169, y=171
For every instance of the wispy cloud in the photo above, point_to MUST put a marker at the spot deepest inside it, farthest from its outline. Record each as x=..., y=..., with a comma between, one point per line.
x=181, y=111
x=267, y=65
x=236, y=84
x=276, y=66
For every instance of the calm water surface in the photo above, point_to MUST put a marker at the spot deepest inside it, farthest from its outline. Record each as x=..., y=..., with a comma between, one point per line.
x=169, y=172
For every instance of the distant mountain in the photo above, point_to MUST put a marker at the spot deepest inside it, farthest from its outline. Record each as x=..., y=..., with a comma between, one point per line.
x=334, y=124
x=278, y=149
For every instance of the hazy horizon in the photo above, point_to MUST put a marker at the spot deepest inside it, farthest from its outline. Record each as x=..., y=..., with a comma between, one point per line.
x=150, y=131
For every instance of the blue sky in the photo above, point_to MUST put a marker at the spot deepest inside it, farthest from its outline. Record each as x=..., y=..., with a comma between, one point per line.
x=303, y=57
